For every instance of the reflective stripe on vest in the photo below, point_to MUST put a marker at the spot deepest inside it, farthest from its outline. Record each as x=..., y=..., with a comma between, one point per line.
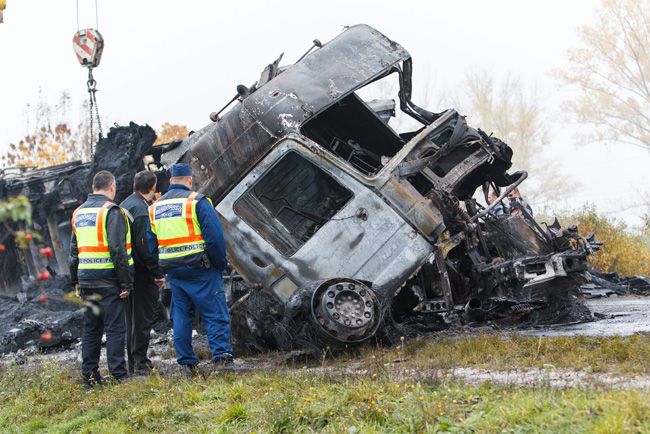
x=89, y=226
x=176, y=225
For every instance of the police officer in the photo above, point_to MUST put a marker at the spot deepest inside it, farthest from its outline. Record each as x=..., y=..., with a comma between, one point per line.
x=192, y=251
x=142, y=304
x=101, y=268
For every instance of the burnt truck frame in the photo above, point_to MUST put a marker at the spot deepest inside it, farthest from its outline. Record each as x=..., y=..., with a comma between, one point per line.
x=343, y=229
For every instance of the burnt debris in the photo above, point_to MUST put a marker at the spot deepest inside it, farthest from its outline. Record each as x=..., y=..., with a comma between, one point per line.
x=40, y=307
x=55, y=192
x=603, y=284
x=341, y=229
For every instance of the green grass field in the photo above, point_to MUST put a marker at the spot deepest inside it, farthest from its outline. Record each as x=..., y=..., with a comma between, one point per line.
x=630, y=354
x=49, y=398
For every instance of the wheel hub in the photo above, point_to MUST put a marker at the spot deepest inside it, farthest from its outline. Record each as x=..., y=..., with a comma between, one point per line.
x=346, y=309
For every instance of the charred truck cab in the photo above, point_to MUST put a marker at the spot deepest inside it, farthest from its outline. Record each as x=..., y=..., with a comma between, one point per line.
x=343, y=229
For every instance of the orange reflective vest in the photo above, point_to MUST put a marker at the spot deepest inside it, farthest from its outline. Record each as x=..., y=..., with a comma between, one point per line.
x=89, y=226
x=175, y=223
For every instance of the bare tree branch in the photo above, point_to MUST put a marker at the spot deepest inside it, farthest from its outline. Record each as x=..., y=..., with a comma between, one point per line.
x=611, y=70
x=514, y=112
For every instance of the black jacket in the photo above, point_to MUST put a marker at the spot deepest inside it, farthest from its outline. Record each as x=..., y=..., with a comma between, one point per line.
x=146, y=261
x=122, y=276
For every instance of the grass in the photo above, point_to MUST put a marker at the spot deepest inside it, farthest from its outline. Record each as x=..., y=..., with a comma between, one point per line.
x=52, y=401
x=49, y=398
x=627, y=355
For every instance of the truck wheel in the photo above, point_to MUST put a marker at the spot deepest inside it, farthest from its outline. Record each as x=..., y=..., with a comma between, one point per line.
x=346, y=310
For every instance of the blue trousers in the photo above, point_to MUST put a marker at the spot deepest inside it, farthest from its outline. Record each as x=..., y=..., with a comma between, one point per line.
x=199, y=291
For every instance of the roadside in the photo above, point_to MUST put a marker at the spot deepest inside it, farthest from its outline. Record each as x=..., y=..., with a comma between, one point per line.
x=574, y=378
x=323, y=399
x=623, y=316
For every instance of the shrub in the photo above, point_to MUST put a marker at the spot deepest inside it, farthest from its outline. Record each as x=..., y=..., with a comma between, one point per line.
x=623, y=251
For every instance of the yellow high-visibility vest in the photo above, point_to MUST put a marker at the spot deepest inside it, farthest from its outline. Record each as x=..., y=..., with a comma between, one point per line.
x=176, y=225
x=89, y=226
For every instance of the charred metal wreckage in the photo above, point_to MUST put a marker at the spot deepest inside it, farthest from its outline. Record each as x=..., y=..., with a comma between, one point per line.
x=344, y=230
x=55, y=192
x=341, y=229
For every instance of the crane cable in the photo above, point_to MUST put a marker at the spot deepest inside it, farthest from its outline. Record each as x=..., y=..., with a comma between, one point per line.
x=91, y=84
x=96, y=15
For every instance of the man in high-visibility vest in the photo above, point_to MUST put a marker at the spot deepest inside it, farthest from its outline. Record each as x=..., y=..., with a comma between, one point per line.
x=192, y=251
x=101, y=268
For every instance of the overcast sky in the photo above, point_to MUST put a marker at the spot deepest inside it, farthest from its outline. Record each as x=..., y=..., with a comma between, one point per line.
x=178, y=61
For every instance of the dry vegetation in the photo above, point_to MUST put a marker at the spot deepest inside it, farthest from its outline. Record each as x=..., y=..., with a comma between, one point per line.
x=625, y=251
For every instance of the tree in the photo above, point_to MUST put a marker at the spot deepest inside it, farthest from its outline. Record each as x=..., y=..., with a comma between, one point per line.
x=45, y=147
x=509, y=108
x=611, y=71
x=645, y=227
x=170, y=132
x=51, y=141
x=514, y=112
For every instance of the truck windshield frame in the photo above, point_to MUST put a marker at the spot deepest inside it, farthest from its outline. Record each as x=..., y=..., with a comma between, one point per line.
x=291, y=201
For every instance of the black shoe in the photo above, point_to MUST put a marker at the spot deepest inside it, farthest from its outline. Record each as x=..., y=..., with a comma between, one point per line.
x=119, y=380
x=143, y=370
x=224, y=360
x=99, y=380
x=87, y=384
x=93, y=379
x=188, y=371
x=227, y=362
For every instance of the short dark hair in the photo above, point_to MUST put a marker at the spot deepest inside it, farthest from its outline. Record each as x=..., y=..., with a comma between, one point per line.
x=103, y=180
x=144, y=181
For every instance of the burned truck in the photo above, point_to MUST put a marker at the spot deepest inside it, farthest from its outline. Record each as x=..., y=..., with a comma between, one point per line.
x=341, y=229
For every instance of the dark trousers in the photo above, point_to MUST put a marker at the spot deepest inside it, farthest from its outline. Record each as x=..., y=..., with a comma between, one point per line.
x=141, y=313
x=106, y=314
